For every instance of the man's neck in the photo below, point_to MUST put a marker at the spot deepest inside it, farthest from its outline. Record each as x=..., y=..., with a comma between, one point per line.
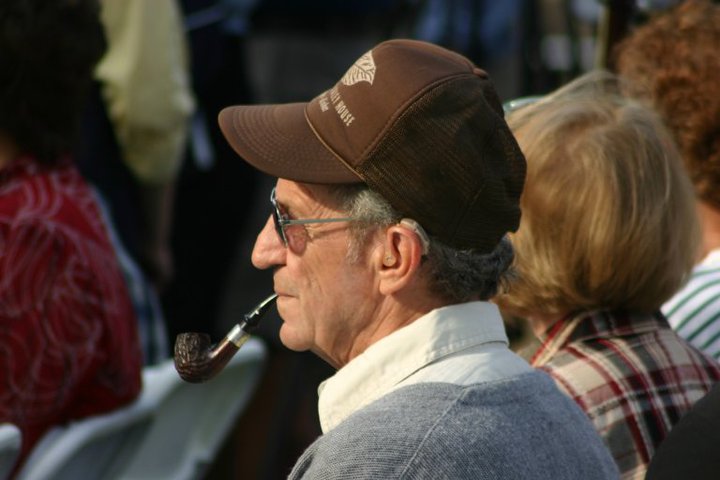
x=710, y=222
x=391, y=315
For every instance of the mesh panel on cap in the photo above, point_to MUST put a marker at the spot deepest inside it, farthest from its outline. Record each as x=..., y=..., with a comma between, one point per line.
x=450, y=163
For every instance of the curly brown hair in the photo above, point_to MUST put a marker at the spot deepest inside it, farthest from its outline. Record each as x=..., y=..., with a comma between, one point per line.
x=48, y=49
x=673, y=62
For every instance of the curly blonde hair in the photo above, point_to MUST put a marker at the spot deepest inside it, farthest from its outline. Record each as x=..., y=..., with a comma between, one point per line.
x=673, y=62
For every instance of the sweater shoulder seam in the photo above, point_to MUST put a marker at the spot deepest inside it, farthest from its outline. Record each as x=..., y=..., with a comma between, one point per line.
x=428, y=433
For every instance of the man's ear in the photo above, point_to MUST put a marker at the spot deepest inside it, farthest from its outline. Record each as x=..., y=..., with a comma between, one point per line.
x=399, y=260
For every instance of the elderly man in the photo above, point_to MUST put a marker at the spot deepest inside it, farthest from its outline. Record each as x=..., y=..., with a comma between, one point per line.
x=387, y=237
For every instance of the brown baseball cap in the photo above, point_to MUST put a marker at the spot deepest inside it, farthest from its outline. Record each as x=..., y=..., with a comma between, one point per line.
x=419, y=124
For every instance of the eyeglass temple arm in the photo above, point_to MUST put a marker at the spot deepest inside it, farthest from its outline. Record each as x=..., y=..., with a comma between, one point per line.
x=317, y=220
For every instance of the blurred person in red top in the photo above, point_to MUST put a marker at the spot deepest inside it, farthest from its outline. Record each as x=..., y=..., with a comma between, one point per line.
x=68, y=334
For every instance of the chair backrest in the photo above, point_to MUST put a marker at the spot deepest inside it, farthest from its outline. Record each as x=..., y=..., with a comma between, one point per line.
x=10, y=441
x=96, y=447
x=193, y=420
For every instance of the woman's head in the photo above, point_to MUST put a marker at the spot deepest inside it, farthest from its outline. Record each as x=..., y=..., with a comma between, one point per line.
x=47, y=53
x=608, y=212
x=672, y=62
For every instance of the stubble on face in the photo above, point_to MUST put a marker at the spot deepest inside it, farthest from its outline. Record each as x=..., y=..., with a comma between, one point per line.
x=323, y=294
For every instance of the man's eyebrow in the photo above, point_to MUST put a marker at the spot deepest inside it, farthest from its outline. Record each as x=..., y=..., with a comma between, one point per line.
x=285, y=209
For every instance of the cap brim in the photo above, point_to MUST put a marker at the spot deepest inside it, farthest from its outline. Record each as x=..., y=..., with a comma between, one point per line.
x=277, y=140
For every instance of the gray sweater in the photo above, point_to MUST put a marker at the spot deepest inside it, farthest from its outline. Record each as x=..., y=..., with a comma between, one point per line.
x=517, y=428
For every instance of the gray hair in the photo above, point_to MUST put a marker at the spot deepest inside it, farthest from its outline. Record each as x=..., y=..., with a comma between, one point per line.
x=454, y=275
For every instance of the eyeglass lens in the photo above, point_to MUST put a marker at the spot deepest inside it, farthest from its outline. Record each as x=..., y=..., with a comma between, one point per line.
x=276, y=214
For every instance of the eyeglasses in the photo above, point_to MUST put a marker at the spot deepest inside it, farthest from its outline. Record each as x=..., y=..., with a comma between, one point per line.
x=281, y=221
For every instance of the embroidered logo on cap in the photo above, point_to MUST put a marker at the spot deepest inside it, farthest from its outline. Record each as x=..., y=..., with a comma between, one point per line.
x=363, y=70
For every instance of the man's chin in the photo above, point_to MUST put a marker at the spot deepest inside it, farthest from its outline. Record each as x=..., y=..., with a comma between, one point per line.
x=290, y=339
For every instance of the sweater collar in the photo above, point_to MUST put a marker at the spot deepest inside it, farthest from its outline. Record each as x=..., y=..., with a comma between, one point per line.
x=392, y=359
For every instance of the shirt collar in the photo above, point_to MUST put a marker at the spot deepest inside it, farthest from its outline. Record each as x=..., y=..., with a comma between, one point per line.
x=591, y=325
x=390, y=360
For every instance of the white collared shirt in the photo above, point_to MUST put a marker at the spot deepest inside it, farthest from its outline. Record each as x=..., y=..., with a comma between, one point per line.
x=460, y=344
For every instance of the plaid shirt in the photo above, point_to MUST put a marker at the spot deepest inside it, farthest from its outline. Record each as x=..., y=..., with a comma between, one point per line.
x=632, y=375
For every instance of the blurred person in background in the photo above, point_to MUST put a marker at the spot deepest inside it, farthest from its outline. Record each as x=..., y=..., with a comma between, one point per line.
x=608, y=233
x=673, y=63
x=133, y=137
x=488, y=33
x=69, y=344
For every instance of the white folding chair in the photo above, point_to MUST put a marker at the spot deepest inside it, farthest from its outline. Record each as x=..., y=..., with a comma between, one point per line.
x=10, y=442
x=193, y=420
x=96, y=447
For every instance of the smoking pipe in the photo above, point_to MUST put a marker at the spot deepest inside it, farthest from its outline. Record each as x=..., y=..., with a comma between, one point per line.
x=197, y=361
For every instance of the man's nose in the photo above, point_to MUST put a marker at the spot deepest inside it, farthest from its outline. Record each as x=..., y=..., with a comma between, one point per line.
x=269, y=250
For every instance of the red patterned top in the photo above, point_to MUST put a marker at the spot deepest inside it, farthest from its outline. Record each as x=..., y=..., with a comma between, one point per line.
x=69, y=346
